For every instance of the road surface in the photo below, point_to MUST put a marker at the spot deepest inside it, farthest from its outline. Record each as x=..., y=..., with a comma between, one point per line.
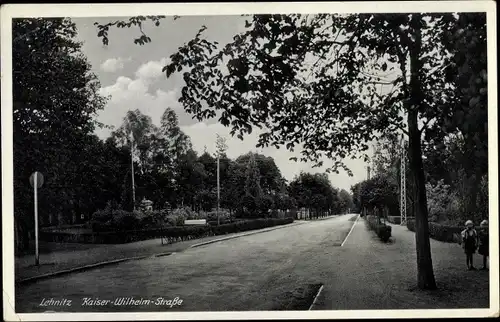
x=248, y=273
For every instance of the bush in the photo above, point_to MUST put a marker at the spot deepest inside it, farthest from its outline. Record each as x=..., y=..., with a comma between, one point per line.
x=101, y=220
x=223, y=216
x=109, y=220
x=178, y=216
x=444, y=233
x=383, y=231
x=394, y=220
x=266, y=203
x=153, y=219
x=442, y=202
x=124, y=220
x=222, y=222
x=197, y=215
x=175, y=220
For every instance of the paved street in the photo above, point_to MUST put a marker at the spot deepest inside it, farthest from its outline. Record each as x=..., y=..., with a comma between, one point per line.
x=258, y=272
x=60, y=257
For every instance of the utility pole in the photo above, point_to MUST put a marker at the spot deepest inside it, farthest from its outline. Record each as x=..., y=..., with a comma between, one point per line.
x=402, y=203
x=132, y=167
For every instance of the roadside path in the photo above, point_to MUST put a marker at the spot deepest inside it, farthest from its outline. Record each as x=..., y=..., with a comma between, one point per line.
x=372, y=275
x=90, y=255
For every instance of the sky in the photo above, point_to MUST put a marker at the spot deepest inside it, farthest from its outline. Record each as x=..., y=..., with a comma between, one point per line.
x=131, y=76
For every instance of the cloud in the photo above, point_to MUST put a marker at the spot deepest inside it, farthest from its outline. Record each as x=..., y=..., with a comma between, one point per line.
x=113, y=65
x=130, y=94
x=204, y=135
x=151, y=70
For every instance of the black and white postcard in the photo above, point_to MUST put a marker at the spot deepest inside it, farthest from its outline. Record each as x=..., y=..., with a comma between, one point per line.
x=249, y=160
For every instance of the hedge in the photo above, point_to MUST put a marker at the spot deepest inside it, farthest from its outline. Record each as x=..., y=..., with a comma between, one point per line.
x=221, y=215
x=120, y=220
x=383, y=231
x=221, y=222
x=394, y=219
x=171, y=233
x=449, y=234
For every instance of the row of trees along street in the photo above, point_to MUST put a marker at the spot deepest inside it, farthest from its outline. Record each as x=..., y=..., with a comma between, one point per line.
x=453, y=194
x=56, y=100
x=420, y=74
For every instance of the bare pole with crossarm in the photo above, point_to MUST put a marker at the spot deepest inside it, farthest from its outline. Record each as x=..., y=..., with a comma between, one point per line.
x=403, y=156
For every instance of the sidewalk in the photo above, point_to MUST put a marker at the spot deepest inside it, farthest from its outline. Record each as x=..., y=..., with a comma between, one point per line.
x=62, y=260
x=373, y=274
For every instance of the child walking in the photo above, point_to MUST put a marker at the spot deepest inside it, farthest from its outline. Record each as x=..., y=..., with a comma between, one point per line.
x=469, y=238
x=484, y=243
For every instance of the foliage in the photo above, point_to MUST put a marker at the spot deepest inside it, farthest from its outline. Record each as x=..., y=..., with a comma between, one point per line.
x=223, y=215
x=284, y=41
x=444, y=233
x=315, y=192
x=178, y=216
x=253, y=191
x=394, y=219
x=55, y=98
x=378, y=192
x=443, y=203
x=121, y=220
x=345, y=201
x=386, y=157
x=383, y=231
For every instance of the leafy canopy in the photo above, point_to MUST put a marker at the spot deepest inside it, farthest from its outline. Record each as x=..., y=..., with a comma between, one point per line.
x=327, y=84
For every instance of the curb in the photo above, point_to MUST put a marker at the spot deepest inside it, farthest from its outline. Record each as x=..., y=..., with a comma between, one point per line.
x=78, y=269
x=243, y=235
x=325, y=218
x=316, y=298
x=350, y=231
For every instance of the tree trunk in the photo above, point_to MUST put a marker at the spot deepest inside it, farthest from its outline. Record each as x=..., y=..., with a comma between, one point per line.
x=471, y=211
x=425, y=275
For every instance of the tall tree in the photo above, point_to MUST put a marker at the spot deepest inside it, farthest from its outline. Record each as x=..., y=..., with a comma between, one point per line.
x=315, y=193
x=253, y=190
x=234, y=195
x=138, y=132
x=55, y=98
x=189, y=180
x=175, y=141
x=345, y=201
x=270, y=174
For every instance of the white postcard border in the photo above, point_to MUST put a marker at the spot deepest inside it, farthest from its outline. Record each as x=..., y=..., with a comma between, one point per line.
x=121, y=10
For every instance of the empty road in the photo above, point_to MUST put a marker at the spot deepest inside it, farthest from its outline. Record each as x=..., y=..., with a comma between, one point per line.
x=255, y=272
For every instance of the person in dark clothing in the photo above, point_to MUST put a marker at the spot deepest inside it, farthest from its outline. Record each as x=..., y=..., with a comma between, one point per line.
x=469, y=239
x=484, y=243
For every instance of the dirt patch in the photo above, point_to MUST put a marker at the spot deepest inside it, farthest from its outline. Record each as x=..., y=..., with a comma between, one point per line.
x=300, y=299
